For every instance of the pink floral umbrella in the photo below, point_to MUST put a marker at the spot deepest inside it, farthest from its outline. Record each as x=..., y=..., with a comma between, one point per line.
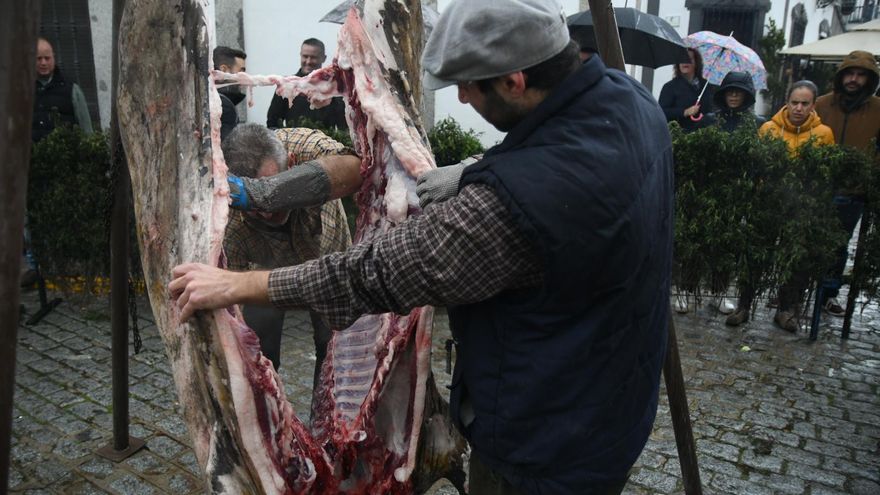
x=722, y=54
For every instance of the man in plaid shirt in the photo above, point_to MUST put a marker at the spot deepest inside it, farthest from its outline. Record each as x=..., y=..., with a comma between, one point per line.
x=259, y=240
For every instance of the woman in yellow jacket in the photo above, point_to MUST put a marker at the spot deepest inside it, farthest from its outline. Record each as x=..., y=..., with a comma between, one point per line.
x=796, y=123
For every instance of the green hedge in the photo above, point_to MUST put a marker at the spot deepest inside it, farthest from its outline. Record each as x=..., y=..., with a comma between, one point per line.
x=747, y=210
x=452, y=144
x=68, y=202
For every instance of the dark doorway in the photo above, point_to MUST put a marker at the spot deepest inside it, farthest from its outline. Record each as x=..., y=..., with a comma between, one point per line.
x=66, y=24
x=743, y=23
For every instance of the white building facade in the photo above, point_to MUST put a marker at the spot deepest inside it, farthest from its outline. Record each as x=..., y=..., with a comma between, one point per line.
x=271, y=31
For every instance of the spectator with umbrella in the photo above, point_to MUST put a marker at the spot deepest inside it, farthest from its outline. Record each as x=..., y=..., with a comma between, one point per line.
x=680, y=97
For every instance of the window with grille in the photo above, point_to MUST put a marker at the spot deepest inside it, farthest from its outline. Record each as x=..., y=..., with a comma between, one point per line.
x=66, y=24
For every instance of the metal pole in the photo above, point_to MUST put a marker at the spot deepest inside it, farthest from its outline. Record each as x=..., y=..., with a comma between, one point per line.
x=18, y=55
x=124, y=445
x=608, y=40
x=647, y=72
x=855, y=285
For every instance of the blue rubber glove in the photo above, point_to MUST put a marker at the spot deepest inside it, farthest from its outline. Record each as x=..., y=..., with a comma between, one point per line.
x=238, y=193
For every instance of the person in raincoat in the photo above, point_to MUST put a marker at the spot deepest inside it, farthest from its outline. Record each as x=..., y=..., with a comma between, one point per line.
x=853, y=112
x=734, y=100
x=796, y=123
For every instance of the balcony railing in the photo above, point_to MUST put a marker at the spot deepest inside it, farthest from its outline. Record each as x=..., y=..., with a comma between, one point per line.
x=865, y=11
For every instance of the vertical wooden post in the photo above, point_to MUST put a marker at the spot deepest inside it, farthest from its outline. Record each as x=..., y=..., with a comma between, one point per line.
x=607, y=37
x=18, y=55
x=681, y=418
x=608, y=40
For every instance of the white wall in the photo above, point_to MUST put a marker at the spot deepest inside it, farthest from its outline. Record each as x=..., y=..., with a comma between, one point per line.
x=273, y=33
x=101, y=17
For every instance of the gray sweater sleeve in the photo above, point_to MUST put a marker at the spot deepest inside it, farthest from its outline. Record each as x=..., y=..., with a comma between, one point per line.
x=81, y=109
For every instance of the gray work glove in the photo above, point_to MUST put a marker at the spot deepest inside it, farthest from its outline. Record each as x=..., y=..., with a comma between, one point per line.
x=302, y=186
x=440, y=184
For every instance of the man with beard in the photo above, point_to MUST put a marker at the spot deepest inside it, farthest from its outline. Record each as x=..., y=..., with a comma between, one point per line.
x=853, y=113
x=553, y=258
x=232, y=61
x=300, y=114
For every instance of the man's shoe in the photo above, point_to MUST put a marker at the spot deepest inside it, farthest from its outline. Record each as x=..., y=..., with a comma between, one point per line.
x=737, y=318
x=786, y=320
x=833, y=308
x=29, y=278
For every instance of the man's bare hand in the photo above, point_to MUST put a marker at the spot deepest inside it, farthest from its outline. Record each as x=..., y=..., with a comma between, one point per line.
x=196, y=286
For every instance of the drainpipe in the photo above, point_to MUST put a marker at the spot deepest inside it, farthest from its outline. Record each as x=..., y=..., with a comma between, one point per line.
x=647, y=72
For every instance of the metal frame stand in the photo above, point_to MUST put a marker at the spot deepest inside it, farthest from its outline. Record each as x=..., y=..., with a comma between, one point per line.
x=824, y=285
x=46, y=306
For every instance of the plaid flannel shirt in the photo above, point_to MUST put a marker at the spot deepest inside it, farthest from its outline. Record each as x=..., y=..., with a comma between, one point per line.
x=309, y=233
x=464, y=250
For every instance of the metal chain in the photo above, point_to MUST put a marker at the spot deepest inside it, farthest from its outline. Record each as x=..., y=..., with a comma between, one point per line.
x=115, y=171
x=133, y=311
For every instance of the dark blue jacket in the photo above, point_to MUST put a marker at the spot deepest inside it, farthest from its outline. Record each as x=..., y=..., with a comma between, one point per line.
x=563, y=378
x=53, y=104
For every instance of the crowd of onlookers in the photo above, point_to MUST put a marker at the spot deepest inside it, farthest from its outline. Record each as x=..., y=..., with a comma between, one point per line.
x=847, y=115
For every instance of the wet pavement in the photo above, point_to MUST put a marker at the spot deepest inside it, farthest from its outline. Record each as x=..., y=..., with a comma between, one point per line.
x=772, y=412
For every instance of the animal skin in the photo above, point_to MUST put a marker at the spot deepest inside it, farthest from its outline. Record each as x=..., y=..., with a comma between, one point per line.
x=381, y=426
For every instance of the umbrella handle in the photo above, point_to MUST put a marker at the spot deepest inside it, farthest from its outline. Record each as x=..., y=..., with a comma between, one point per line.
x=698, y=117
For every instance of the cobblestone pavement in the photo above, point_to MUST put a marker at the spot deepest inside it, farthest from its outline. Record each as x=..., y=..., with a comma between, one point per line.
x=772, y=412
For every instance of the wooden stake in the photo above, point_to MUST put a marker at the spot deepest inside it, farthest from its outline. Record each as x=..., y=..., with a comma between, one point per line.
x=18, y=55
x=608, y=40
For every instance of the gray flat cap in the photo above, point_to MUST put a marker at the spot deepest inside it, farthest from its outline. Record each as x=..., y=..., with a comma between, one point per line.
x=482, y=39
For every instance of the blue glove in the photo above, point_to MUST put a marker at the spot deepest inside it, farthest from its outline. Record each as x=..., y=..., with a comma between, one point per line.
x=238, y=193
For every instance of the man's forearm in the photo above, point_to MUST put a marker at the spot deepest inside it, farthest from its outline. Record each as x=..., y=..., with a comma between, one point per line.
x=309, y=184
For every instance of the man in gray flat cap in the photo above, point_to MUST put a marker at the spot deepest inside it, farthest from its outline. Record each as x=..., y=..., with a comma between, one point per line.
x=552, y=254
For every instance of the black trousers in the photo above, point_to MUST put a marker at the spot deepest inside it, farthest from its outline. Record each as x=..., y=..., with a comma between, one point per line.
x=268, y=323
x=482, y=480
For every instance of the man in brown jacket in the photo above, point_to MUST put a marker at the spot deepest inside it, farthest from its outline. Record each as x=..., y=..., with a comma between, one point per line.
x=853, y=113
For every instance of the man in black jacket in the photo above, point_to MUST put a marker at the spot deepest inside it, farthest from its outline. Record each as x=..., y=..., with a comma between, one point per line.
x=56, y=99
x=232, y=61
x=299, y=114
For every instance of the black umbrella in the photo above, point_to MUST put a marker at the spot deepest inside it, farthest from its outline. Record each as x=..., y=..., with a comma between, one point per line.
x=647, y=40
